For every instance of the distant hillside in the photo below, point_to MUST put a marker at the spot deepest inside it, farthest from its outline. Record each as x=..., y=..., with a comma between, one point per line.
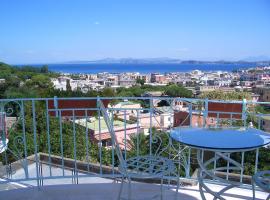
x=164, y=61
x=131, y=61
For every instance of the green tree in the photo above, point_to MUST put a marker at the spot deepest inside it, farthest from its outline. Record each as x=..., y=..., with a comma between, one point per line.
x=177, y=91
x=40, y=81
x=44, y=69
x=108, y=92
x=140, y=81
x=221, y=95
x=21, y=92
x=68, y=86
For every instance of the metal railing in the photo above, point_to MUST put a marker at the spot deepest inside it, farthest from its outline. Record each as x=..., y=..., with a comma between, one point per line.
x=51, y=138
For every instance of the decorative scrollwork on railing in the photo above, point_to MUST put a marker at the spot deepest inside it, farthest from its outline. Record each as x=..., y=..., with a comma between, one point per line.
x=9, y=111
x=164, y=146
x=13, y=112
x=15, y=151
x=156, y=140
x=18, y=141
x=12, y=108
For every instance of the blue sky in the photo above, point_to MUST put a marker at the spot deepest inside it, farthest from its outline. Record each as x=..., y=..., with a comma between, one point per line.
x=47, y=31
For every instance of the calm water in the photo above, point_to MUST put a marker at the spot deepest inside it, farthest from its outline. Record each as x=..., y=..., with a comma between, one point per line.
x=142, y=68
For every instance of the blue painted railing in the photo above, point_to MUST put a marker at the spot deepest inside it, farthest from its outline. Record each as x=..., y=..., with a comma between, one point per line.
x=54, y=138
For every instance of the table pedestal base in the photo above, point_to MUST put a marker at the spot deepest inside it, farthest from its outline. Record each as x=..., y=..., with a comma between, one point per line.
x=208, y=170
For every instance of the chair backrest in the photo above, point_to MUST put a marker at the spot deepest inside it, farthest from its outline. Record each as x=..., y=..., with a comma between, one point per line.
x=109, y=124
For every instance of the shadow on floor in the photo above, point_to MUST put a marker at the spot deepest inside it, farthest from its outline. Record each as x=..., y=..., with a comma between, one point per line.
x=93, y=191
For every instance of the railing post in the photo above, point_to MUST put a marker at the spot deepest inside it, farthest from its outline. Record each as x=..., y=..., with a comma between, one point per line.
x=87, y=139
x=48, y=136
x=244, y=112
x=151, y=125
x=35, y=142
x=125, y=132
x=205, y=114
x=25, y=162
x=99, y=135
x=55, y=104
x=259, y=121
x=113, y=163
x=190, y=114
x=188, y=164
x=98, y=99
x=3, y=128
x=138, y=142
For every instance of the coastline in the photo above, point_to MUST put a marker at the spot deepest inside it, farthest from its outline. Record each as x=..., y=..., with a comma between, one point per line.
x=94, y=68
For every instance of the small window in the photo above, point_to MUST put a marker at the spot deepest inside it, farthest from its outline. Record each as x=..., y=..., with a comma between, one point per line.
x=106, y=143
x=109, y=142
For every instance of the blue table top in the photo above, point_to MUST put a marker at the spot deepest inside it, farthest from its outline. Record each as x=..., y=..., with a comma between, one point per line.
x=221, y=138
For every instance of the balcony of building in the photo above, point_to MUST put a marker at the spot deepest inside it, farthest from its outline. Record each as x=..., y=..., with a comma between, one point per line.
x=59, y=148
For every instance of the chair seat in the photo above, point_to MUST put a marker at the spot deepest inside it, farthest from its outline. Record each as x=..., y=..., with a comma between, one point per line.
x=262, y=179
x=148, y=167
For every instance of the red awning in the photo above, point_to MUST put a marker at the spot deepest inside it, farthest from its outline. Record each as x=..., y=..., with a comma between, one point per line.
x=225, y=110
x=78, y=106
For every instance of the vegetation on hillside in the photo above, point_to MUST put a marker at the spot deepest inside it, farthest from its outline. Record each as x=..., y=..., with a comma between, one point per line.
x=221, y=95
x=172, y=90
x=25, y=81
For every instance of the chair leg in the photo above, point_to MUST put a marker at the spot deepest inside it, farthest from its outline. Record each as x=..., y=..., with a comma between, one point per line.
x=129, y=188
x=253, y=188
x=177, y=189
x=121, y=188
x=161, y=188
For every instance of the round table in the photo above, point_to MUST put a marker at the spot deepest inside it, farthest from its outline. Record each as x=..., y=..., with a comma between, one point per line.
x=223, y=142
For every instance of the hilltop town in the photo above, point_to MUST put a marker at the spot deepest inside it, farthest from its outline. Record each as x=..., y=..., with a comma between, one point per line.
x=254, y=80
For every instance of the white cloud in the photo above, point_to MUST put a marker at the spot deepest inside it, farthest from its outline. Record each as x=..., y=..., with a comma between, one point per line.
x=29, y=52
x=182, y=50
x=96, y=23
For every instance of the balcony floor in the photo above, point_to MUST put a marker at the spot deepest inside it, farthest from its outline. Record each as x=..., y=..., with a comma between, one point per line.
x=99, y=188
x=106, y=189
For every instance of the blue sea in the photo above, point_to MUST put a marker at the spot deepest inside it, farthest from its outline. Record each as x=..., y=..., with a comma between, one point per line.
x=142, y=68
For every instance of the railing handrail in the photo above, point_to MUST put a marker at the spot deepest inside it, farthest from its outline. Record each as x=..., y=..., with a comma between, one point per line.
x=133, y=98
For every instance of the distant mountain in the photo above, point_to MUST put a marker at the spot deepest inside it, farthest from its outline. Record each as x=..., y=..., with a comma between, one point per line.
x=165, y=60
x=131, y=61
x=257, y=58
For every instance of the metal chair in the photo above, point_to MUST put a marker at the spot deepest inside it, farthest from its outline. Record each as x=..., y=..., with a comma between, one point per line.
x=262, y=180
x=140, y=167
